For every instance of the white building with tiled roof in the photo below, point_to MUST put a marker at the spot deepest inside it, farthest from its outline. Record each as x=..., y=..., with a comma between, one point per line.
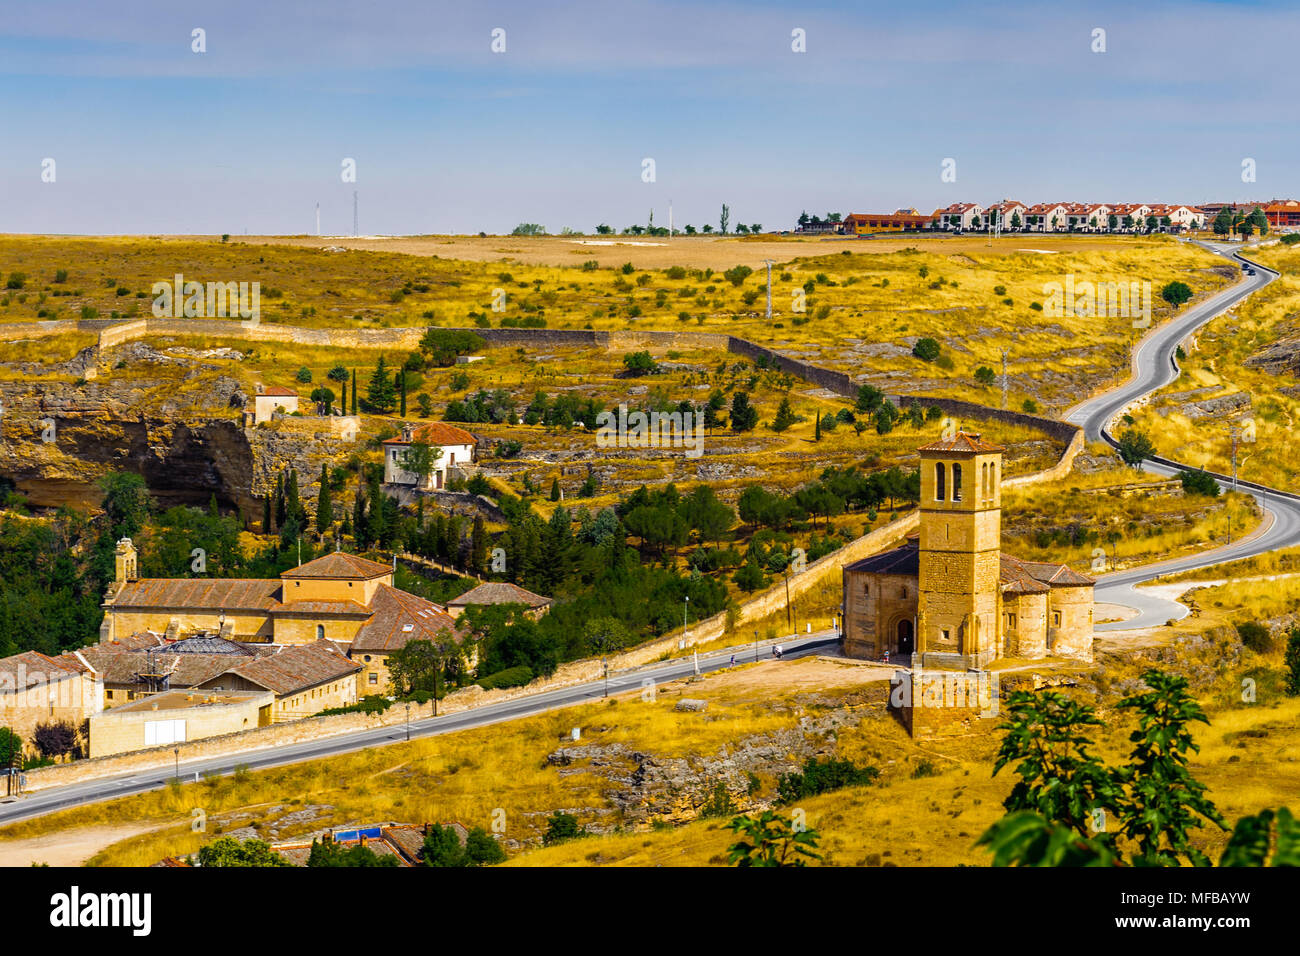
x=453, y=454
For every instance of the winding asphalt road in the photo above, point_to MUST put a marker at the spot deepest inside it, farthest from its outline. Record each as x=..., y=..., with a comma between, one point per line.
x=1155, y=366
x=105, y=788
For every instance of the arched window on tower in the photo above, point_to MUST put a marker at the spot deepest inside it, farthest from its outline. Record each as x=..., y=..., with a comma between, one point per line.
x=956, y=482
x=939, y=493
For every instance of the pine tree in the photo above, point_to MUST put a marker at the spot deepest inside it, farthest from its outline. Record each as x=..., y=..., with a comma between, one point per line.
x=213, y=511
x=324, y=504
x=784, y=416
x=555, y=489
x=381, y=394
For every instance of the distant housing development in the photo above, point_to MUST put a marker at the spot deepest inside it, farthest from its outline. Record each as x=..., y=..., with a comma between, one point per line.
x=1009, y=215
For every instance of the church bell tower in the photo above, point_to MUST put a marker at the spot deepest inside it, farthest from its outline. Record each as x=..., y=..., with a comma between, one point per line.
x=960, y=549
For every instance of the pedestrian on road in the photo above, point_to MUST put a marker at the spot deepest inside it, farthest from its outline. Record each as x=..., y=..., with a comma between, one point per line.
x=886, y=655
x=733, y=661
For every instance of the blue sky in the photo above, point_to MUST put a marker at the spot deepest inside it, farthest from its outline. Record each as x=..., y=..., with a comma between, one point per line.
x=149, y=137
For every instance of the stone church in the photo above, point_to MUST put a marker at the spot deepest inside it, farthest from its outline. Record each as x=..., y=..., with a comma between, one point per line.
x=948, y=597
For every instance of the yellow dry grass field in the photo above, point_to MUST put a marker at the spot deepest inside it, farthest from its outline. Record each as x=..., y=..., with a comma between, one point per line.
x=1190, y=419
x=854, y=305
x=933, y=799
x=697, y=252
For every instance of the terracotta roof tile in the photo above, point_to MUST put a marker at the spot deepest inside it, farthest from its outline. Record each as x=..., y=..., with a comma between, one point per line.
x=500, y=592
x=962, y=442
x=437, y=433
x=296, y=668
x=243, y=594
x=400, y=618
x=339, y=566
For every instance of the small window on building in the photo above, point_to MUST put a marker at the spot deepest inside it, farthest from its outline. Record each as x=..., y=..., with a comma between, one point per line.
x=939, y=493
x=366, y=658
x=374, y=678
x=944, y=634
x=320, y=632
x=866, y=590
x=956, y=482
x=1056, y=619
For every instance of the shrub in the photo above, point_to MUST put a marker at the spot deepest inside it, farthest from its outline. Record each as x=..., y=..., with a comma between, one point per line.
x=561, y=826
x=738, y=274
x=1199, y=483
x=304, y=374
x=510, y=677
x=926, y=349
x=821, y=777
x=1255, y=636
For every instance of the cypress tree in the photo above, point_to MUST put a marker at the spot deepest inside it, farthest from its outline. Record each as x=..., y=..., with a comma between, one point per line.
x=359, y=530
x=401, y=384
x=292, y=504
x=555, y=489
x=266, y=514
x=478, y=546
x=817, y=432
x=324, y=504
x=279, y=500
x=354, y=391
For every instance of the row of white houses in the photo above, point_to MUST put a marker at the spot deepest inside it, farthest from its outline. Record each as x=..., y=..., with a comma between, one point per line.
x=1012, y=216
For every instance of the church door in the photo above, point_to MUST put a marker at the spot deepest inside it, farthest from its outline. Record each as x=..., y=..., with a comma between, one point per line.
x=905, y=644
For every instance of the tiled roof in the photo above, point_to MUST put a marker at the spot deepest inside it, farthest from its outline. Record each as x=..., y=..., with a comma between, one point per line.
x=962, y=442
x=901, y=560
x=32, y=669
x=346, y=608
x=499, y=592
x=400, y=618
x=279, y=391
x=1015, y=579
x=231, y=594
x=1044, y=573
x=296, y=668
x=437, y=433
x=182, y=670
x=1057, y=574
x=339, y=565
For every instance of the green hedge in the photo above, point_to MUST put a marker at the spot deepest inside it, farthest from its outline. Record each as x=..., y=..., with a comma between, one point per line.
x=510, y=677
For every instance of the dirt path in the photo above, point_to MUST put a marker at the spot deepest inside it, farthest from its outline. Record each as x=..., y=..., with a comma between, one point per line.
x=66, y=847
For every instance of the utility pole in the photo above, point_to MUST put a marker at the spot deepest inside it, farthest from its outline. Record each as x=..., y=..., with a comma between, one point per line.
x=769, y=287
x=1234, y=430
x=318, y=219
x=1004, y=377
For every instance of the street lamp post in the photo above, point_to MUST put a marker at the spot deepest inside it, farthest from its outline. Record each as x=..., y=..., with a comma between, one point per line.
x=756, y=647
x=408, y=721
x=685, y=605
x=604, y=663
x=177, y=751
